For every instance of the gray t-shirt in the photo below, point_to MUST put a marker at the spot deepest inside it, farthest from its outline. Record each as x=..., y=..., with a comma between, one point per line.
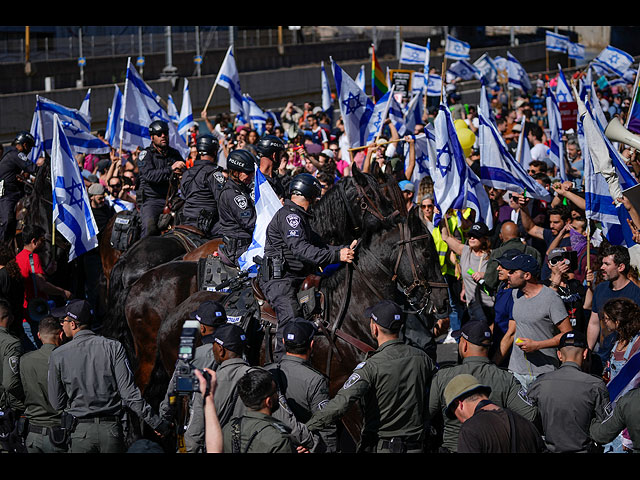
x=468, y=260
x=536, y=318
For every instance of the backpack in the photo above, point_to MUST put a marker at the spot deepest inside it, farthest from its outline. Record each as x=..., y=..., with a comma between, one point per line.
x=126, y=230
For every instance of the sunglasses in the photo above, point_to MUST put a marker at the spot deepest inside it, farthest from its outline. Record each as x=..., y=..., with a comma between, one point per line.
x=160, y=134
x=424, y=207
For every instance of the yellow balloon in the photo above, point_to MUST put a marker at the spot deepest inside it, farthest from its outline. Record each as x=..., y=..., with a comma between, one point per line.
x=467, y=138
x=460, y=124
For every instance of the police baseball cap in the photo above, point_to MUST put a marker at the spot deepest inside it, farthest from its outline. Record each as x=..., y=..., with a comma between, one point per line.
x=79, y=311
x=476, y=332
x=574, y=338
x=299, y=331
x=457, y=387
x=522, y=261
x=387, y=314
x=231, y=337
x=478, y=230
x=210, y=313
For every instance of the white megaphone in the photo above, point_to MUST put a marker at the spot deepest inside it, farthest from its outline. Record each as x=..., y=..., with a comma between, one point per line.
x=616, y=132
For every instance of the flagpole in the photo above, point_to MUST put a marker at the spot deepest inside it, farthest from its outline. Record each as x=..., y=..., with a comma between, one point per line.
x=354, y=149
x=206, y=105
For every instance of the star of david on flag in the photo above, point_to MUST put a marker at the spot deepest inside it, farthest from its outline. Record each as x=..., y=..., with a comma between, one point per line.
x=456, y=49
x=72, y=215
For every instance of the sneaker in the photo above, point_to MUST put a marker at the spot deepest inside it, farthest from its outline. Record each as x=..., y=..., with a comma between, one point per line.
x=449, y=339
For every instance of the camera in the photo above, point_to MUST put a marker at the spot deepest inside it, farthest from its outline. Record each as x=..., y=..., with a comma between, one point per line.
x=185, y=380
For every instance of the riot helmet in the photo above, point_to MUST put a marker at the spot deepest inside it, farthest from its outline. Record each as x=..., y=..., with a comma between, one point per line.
x=207, y=145
x=241, y=161
x=306, y=185
x=270, y=144
x=25, y=138
x=158, y=127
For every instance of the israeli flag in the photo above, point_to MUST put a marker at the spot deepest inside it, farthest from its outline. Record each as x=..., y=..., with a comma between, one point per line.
x=85, y=107
x=267, y=204
x=378, y=117
x=356, y=107
x=523, y=155
x=464, y=70
x=418, y=84
x=413, y=114
x=172, y=110
x=229, y=78
x=555, y=42
x=255, y=115
x=563, y=90
x=615, y=60
x=476, y=198
x=141, y=107
x=71, y=208
x=327, y=101
x=361, y=79
x=556, y=145
x=447, y=166
x=186, y=112
x=427, y=59
x=456, y=49
x=114, y=120
x=76, y=127
x=576, y=51
x=396, y=114
x=488, y=70
x=434, y=85
x=518, y=77
x=424, y=145
x=412, y=54
x=498, y=168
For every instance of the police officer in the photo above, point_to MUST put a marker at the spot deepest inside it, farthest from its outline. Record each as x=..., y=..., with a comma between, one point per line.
x=44, y=420
x=156, y=164
x=305, y=388
x=11, y=393
x=270, y=150
x=14, y=163
x=292, y=251
x=569, y=399
x=473, y=347
x=201, y=186
x=237, y=213
x=257, y=431
x=90, y=379
x=392, y=385
x=625, y=415
x=211, y=315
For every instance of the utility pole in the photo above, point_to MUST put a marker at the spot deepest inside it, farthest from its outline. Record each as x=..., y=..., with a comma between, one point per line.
x=169, y=72
x=81, y=59
x=27, y=51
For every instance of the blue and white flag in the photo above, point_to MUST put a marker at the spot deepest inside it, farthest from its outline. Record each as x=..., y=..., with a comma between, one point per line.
x=396, y=115
x=563, y=90
x=498, y=168
x=327, y=101
x=427, y=59
x=76, y=127
x=85, y=107
x=424, y=145
x=447, y=166
x=523, y=155
x=413, y=114
x=361, y=80
x=254, y=114
x=418, y=84
x=186, y=113
x=172, y=110
x=488, y=70
x=518, y=77
x=464, y=70
x=555, y=42
x=615, y=60
x=378, y=117
x=456, y=49
x=267, y=204
x=556, y=145
x=434, y=85
x=141, y=107
x=412, y=54
x=356, y=107
x=576, y=51
x=114, y=120
x=71, y=208
x=476, y=198
x=229, y=78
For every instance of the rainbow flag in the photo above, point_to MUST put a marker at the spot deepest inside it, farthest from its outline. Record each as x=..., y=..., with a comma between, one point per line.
x=378, y=79
x=633, y=123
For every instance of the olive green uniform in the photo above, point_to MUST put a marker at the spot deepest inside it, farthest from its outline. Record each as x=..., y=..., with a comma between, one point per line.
x=392, y=385
x=38, y=410
x=506, y=392
x=256, y=432
x=625, y=414
x=11, y=393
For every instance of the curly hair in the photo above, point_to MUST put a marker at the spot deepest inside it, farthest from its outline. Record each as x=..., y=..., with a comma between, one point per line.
x=625, y=314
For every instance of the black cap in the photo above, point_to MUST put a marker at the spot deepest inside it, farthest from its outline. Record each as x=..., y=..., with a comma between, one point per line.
x=387, y=314
x=478, y=230
x=231, y=337
x=210, y=313
x=575, y=338
x=79, y=310
x=476, y=332
x=522, y=261
x=299, y=331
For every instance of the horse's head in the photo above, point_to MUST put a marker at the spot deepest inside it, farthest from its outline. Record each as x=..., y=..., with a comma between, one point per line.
x=373, y=200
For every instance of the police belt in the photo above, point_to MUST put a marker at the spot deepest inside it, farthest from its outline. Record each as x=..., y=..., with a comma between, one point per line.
x=38, y=429
x=391, y=443
x=104, y=419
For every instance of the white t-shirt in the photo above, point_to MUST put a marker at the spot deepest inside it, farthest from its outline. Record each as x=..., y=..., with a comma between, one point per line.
x=539, y=152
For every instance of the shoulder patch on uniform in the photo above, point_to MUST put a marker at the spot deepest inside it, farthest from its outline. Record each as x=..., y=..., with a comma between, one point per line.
x=522, y=393
x=293, y=220
x=322, y=404
x=351, y=381
x=14, y=364
x=608, y=409
x=279, y=427
x=241, y=201
x=360, y=365
x=143, y=154
x=22, y=157
x=283, y=404
x=219, y=177
x=293, y=233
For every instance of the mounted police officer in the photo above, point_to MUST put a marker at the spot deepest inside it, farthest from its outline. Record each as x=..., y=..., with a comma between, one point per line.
x=201, y=185
x=14, y=162
x=293, y=251
x=156, y=164
x=236, y=211
x=271, y=149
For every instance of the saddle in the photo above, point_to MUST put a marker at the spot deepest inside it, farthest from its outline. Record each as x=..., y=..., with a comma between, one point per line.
x=190, y=237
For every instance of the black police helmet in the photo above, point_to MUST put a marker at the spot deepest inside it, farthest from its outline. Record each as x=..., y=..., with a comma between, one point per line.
x=25, y=138
x=306, y=185
x=158, y=127
x=241, y=161
x=207, y=145
x=270, y=144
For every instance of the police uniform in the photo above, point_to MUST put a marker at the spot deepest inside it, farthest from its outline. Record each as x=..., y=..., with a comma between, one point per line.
x=506, y=391
x=237, y=219
x=201, y=185
x=41, y=415
x=257, y=432
x=154, y=175
x=90, y=378
x=13, y=163
x=568, y=400
x=392, y=385
x=625, y=415
x=11, y=393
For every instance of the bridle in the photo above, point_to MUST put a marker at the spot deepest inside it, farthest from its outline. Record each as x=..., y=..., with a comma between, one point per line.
x=366, y=204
